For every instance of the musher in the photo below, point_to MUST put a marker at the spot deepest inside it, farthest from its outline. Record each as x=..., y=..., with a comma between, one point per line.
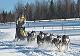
x=20, y=28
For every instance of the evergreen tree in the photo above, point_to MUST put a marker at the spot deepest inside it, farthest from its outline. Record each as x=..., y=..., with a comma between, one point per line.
x=78, y=8
x=51, y=9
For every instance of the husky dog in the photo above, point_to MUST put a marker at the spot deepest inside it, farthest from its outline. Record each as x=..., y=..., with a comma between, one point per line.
x=65, y=41
x=40, y=38
x=61, y=42
x=56, y=41
x=48, y=38
x=31, y=36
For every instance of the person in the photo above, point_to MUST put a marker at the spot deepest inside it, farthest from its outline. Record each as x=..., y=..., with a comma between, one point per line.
x=20, y=28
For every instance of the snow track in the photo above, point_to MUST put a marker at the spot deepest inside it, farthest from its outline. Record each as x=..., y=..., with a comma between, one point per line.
x=9, y=47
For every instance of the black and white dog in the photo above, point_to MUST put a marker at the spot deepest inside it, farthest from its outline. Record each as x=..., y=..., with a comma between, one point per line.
x=31, y=36
x=65, y=42
x=61, y=42
x=40, y=38
x=56, y=41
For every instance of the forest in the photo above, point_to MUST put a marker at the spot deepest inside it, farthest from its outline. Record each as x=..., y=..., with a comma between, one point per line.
x=43, y=10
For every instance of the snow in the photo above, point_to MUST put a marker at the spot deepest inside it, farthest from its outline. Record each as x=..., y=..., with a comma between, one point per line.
x=7, y=34
x=8, y=47
x=11, y=52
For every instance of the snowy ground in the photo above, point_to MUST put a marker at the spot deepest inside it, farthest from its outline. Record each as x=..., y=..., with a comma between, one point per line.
x=21, y=48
